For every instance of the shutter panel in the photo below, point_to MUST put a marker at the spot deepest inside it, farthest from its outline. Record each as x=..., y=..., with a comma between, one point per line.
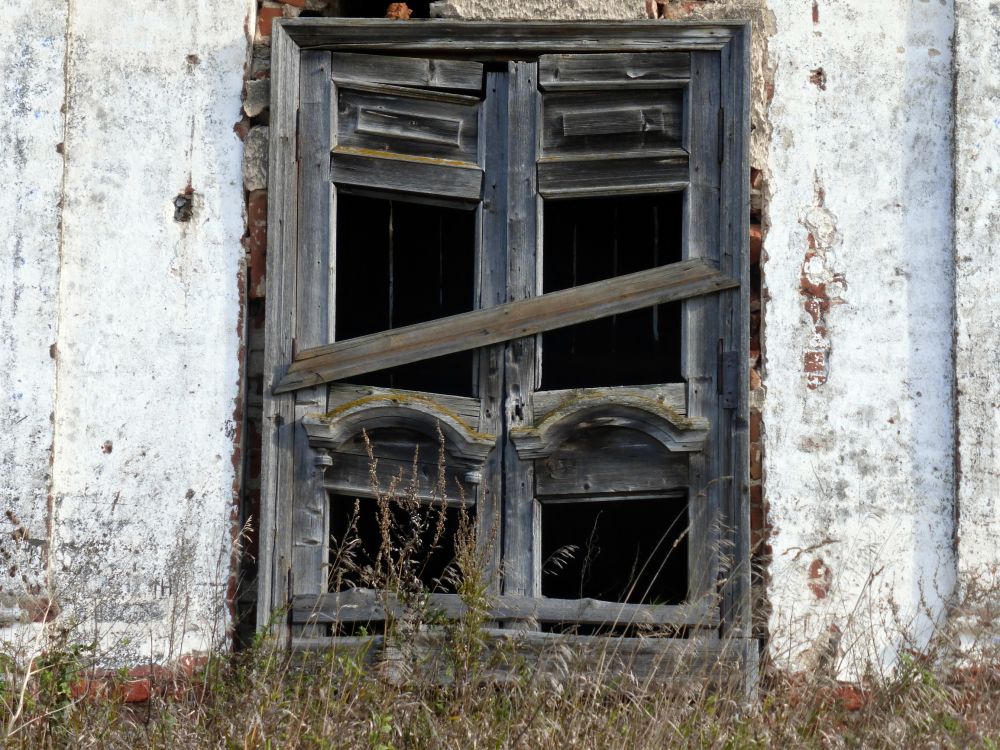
x=397, y=129
x=612, y=124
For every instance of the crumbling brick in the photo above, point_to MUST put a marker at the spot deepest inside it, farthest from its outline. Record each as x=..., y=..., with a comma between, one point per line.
x=257, y=241
x=255, y=159
x=266, y=14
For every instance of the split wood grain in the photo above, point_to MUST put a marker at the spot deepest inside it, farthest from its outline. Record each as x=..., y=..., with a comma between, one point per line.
x=504, y=322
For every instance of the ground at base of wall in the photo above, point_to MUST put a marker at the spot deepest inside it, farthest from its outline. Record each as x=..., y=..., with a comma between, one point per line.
x=259, y=698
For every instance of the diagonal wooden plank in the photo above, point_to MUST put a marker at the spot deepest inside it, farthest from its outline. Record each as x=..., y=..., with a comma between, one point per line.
x=494, y=325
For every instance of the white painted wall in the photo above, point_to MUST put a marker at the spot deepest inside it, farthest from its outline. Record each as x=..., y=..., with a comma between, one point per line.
x=860, y=475
x=977, y=268
x=146, y=333
x=32, y=47
x=859, y=471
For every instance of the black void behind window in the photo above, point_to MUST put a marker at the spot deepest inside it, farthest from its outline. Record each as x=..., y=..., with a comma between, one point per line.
x=356, y=538
x=398, y=264
x=628, y=550
x=592, y=239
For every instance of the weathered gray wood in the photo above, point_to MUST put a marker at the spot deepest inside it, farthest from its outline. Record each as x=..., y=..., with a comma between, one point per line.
x=674, y=663
x=340, y=394
x=598, y=409
x=700, y=321
x=735, y=331
x=407, y=71
x=350, y=475
x=277, y=464
x=502, y=323
x=491, y=291
x=309, y=545
x=412, y=174
x=369, y=605
x=309, y=512
x=408, y=122
x=671, y=395
x=503, y=40
x=522, y=517
x=621, y=123
x=420, y=415
x=597, y=72
x=612, y=175
x=608, y=462
x=314, y=219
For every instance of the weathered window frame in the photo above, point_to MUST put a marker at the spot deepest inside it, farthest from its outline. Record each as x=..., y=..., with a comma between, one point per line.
x=296, y=317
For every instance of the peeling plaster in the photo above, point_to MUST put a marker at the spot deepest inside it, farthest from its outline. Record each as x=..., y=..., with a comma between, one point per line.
x=977, y=320
x=852, y=116
x=149, y=340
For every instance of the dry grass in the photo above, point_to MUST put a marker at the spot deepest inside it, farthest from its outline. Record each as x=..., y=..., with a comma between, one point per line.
x=263, y=698
x=257, y=699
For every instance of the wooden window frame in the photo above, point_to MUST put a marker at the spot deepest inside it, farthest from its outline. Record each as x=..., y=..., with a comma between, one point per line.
x=299, y=359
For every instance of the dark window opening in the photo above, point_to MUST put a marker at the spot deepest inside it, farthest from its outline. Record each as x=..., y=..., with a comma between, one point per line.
x=400, y=263
x=356, y=538
x=369, y=9
x=593, y=239
x=632, y=551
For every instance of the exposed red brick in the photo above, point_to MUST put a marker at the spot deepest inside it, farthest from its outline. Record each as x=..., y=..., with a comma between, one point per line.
x=756, y=240
x=294, y=3
x=755, y=425
x=757, y=521
x=820, y=578
x=815, y=12
x=756, y=467
x=39, y=608
x=135, y=691
x=265, y=16
x=398, y=11
x=257, y=242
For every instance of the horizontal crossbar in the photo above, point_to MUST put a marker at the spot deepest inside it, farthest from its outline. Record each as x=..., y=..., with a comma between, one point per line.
x=494, y=325
x=368, y=605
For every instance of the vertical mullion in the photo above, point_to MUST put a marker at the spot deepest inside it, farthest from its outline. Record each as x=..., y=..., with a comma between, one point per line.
x=700, y=321
x=522, y=515
x=310, y=531
x=491, y=290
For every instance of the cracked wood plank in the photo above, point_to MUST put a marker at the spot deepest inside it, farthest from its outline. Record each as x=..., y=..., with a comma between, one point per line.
x=494, y=325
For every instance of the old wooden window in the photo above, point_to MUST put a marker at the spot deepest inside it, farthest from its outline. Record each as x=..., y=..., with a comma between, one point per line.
x=532, y=237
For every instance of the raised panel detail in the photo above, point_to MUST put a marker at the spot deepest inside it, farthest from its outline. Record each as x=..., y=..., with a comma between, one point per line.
x=408, y=122
x=621, y=123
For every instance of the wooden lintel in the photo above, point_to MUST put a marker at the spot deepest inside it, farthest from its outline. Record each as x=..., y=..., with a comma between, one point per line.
x=494, y=325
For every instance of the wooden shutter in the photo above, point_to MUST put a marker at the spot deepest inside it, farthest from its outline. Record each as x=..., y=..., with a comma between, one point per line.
x=504, y=141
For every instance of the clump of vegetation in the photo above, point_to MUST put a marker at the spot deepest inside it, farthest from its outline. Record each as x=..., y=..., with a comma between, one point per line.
x=269, y=697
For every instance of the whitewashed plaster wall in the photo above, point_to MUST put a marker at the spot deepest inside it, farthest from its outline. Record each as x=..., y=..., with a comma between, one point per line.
x=977, y=335
x=32, y=55
x=150, y=321
x=135, y=407
x=859, y=469
x=859, y=473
